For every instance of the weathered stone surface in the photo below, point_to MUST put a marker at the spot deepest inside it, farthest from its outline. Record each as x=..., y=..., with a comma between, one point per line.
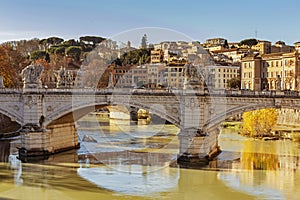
x=87, y=138
x=58, y=110
x=31, y=76
x=55, y=139
x=1, y=82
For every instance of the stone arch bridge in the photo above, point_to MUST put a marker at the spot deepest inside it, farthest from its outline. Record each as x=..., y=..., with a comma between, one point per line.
x=48, y=116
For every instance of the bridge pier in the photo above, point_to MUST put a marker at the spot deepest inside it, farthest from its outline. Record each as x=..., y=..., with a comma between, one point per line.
x=37, y=142
x=197, y=147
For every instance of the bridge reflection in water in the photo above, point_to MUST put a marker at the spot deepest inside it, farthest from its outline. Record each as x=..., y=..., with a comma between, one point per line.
x=264, y=169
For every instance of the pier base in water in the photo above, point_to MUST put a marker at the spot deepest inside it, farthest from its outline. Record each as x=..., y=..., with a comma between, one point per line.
x=196, y=147
x=41, y=143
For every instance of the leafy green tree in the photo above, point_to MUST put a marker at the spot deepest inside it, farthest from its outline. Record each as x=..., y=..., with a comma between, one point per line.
x=52, y=49
x=60, y=50
x=54, y=40
x=37, y=55
x=234, y=83
x=71, y=42
x=73, y=52
x=249, y=42
x=259, y=122
x=137, y=56
x=93, y=40
x=48, y=42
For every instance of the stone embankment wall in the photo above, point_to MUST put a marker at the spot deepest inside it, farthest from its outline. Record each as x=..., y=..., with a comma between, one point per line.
x=289, y=117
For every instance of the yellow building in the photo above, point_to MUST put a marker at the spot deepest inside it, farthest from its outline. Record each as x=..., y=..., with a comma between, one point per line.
x=264, y=47
x=157, y=56
x=250, y=73
x=276, y=71
x=281, y=71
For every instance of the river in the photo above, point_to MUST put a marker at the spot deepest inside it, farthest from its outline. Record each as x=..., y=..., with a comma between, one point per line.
x=123, y=161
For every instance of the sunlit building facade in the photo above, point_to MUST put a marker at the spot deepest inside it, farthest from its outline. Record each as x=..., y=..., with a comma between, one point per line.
x=276, y=71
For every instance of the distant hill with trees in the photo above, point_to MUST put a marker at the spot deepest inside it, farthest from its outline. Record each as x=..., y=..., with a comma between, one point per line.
x=54, y=53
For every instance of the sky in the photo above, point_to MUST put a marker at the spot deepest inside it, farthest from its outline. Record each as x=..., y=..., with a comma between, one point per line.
x=199, y=20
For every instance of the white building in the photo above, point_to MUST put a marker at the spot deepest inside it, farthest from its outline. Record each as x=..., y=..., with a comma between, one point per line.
x=222, y=74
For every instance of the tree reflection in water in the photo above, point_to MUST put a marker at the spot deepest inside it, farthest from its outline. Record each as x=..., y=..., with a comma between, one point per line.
x=259, y=156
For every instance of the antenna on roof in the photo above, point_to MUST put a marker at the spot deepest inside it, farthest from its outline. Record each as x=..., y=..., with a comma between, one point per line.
x=255, y=33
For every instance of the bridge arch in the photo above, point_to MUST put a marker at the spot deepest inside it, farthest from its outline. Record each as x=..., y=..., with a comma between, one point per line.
x=218, y=119
x=74, y=112
x=11, y=115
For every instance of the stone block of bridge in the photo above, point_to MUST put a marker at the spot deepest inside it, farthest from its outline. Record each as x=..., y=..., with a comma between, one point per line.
x=43, y=142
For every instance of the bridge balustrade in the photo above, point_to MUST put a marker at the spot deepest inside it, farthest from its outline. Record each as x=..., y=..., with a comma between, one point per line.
x=107, y=91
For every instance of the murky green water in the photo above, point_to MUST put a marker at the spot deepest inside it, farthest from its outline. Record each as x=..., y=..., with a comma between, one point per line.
x=132, y=162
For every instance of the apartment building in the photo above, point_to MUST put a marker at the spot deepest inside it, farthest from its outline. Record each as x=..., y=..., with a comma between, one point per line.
x=220, y=75
x=130, y=76
x=157, y=56
x=276, y=71
x=174, y=76
x=280, y=46
x=231, y=55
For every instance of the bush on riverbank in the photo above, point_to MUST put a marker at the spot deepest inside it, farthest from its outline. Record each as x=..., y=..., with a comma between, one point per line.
x=259, y=123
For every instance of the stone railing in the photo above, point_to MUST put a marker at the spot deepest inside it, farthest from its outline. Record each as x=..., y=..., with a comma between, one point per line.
x=129, y=91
